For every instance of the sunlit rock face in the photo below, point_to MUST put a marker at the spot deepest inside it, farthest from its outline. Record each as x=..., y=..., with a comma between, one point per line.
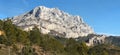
x=53, y=20
x=96, y=40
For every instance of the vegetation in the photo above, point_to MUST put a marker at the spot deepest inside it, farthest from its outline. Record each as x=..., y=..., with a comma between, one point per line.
x=28, y=42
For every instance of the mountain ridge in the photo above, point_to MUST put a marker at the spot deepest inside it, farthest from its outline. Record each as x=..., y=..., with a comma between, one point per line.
x=55, y=20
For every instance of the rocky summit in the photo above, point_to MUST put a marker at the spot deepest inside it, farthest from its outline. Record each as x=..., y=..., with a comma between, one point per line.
x=53, y=21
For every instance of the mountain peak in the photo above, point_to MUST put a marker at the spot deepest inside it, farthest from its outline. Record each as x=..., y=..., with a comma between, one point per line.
x=41, y=8
x=53, y=21
x=44, y=8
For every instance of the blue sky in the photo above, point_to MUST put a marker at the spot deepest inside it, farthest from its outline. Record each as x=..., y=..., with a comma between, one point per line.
x=102, y=15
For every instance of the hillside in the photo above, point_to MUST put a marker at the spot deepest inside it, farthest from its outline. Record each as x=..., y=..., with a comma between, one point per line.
x=16, y=42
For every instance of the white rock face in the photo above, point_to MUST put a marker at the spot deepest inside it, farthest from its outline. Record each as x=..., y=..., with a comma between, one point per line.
x=48, y=19
x=95, y=40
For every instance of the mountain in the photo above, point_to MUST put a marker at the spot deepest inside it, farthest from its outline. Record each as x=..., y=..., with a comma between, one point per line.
x=61, y=24
x=53, y=21
x=25, y=37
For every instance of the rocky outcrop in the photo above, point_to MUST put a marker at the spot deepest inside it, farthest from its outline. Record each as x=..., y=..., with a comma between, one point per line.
x=96, y=40
x=53, y=19
x=93, y=39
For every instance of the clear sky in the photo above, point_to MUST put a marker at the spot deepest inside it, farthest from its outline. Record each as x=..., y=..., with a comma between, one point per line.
x=102, y=15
